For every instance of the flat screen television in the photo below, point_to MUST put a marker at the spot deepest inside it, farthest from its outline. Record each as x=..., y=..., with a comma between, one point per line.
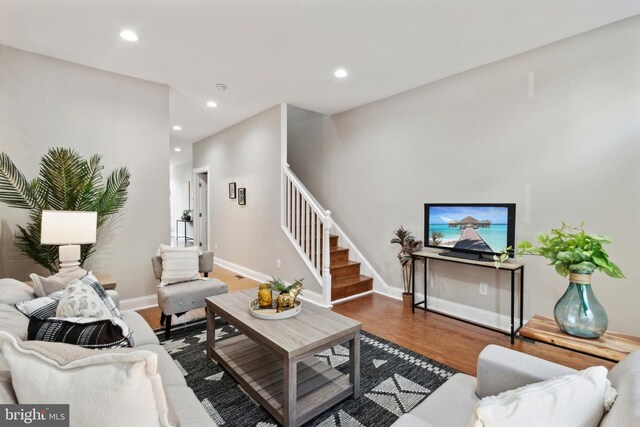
x=470, y=230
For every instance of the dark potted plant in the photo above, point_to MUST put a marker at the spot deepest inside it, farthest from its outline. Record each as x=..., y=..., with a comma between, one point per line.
x=408, y=245
x=576, y=254
x=186, y=215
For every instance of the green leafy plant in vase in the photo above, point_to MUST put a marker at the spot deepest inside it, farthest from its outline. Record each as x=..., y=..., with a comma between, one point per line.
x=576, y=254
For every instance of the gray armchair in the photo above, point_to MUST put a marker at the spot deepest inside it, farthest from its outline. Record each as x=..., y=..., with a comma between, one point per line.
x=501, y=369
x=179, y=298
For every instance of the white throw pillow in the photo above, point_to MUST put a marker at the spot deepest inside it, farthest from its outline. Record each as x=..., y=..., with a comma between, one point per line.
x=80, y=300
x=179, y=266
x=569, y=400
x=166, y=248
x=7, y=395
x=12, y=291
x=43, y=286
x=117, y=387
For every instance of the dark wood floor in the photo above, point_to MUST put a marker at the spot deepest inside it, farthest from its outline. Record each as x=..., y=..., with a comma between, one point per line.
x=446, y=340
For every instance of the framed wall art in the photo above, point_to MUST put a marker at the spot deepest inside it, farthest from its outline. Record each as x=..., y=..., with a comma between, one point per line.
x=242, y=196
x=232, y=190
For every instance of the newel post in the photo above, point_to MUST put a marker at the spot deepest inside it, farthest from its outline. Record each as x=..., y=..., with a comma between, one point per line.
x=327, y=224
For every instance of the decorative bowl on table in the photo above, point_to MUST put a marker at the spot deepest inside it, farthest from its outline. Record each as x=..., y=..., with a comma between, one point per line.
x=270, y=313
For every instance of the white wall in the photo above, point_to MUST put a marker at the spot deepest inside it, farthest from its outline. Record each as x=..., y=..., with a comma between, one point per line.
x=568, y=151
x=181, y=178
x=45, y=103
x=250, y=236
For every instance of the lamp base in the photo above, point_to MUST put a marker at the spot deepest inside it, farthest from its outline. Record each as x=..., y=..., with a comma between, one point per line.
x=69, y=256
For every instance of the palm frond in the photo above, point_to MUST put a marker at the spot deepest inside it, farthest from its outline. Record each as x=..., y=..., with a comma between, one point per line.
x=114, y=196
x=15, y=190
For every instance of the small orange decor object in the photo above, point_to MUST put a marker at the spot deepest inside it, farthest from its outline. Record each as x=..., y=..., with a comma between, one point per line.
x=265, y=296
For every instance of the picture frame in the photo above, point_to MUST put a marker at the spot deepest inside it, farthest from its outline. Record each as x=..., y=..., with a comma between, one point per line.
x=232, y=190
x=242, y=196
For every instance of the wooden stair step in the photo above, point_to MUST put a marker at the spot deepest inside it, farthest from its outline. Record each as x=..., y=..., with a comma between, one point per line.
x=349, y=286
x=344, y=269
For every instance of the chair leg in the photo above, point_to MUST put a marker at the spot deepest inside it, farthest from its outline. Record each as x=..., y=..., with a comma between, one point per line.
x=162, y=318
x=167, y=329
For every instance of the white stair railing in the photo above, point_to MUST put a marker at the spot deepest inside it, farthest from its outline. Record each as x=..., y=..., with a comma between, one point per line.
x=307, y=226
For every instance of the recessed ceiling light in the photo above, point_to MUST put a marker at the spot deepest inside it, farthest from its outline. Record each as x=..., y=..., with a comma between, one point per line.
x=341, y=73
x=129, y=35
x=212, y=104
x=177, y=127
x=177, y=149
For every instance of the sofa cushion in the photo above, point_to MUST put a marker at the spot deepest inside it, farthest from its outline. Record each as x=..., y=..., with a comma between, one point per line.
x=501, y=369
x=43, y=286
x=448, y=406
x=80, y=300
x=11, y=320
x=141, y=330
x=50, y=373
x=13, y=291
x=625, y=377
x=576, y=399
x=171, y=373
x=86, y=332
x=188, y=408
x=410, y=420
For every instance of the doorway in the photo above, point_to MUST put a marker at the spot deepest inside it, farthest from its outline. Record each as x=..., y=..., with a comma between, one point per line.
x=201, y=213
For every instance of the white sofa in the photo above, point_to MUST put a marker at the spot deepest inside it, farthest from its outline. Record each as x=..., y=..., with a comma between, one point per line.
x=186, y=406
x=501, y=369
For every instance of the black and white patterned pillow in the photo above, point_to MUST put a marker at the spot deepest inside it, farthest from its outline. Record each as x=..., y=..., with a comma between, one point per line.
x=92, y=281
x=83, y=331
x=42, y=308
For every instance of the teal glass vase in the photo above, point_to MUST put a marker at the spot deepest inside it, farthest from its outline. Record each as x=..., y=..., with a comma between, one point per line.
x=579, y=313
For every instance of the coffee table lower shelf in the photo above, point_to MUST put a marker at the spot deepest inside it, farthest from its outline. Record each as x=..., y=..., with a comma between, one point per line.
x=261, y=374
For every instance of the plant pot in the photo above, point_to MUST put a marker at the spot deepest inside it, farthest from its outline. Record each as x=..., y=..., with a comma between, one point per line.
x=406, y=300
x=407, y=278
x=578, y=312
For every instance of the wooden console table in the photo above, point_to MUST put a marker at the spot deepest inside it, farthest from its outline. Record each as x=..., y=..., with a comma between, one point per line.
x=510, y=266
x=611, y=346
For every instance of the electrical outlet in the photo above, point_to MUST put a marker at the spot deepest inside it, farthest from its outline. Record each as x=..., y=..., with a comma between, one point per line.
x=279, y=264
x=215, y=246
x=483, y=288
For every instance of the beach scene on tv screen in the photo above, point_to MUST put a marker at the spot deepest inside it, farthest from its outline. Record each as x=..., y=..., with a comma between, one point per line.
x=476, y=228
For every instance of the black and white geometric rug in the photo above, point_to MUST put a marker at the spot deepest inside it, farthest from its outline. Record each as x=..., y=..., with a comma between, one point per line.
x=393, y=381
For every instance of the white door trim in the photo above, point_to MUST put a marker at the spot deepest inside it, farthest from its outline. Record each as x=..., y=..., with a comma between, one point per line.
x=196, y=211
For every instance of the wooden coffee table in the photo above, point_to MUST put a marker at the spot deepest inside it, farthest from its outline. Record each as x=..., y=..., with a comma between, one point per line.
x=273, y=359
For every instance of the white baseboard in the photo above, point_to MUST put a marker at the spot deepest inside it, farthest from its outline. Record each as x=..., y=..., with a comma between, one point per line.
x=139, y=303
x=247, y=272
x=310, y=296
x=461, y=311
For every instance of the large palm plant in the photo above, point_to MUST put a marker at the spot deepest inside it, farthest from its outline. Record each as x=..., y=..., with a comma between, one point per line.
x=66, y=182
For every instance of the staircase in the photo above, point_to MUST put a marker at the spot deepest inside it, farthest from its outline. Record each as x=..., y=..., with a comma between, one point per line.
x=308, y=228
x=346, y=279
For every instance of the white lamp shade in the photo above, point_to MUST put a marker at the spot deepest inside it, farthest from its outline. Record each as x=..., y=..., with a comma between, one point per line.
x=68, y=227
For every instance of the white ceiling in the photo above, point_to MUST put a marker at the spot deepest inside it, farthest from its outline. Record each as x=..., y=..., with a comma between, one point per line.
x=272, y=51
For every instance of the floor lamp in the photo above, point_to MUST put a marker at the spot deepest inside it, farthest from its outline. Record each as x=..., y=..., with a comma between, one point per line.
x=70, y=229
